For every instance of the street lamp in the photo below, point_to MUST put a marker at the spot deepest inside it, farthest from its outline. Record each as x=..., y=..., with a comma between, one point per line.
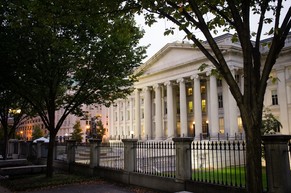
x=207, y=128
x=21, y=134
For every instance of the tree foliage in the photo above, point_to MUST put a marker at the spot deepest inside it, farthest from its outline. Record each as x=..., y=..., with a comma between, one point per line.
x=13, y=109
x=77, y=132
x=37, y=132
x=207, y=18
x=101, y=130
x=64, y=54
x=270, y=124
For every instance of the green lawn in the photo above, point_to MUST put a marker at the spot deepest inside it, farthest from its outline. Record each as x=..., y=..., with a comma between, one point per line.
x=232, y=176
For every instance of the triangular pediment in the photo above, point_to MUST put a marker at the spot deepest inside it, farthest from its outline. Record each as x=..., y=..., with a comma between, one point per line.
x=170, y=56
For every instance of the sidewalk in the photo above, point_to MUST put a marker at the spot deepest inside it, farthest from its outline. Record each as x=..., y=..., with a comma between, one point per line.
x=92, y=187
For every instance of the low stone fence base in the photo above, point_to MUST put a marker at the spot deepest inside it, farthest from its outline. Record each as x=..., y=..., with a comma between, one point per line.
x=148, y=181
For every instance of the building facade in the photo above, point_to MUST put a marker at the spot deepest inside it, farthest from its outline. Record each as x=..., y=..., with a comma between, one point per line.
x=92, y=111
x=173, y=97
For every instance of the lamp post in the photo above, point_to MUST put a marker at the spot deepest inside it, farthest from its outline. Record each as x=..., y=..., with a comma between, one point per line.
x=207, y=128
x=87, y=132
x=194, y=128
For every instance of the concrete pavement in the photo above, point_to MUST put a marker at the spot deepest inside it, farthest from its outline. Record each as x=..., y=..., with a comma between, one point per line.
x=91, y=187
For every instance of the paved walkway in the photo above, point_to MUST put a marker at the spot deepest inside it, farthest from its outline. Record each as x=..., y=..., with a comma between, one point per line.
x=92, y=187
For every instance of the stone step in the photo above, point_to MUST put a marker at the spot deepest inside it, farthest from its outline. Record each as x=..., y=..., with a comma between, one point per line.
x=13, y=162
x=18, y=170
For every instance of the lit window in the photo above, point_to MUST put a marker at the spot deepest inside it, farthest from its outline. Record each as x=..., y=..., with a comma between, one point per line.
x=203, y=103
x=240, y=125
x=274, y=97
x=203, y=89
x=189, y=91
x=221, y=125
x=190, y=106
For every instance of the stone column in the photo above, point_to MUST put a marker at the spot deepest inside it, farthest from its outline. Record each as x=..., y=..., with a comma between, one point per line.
x=124, y=131
x=131, y=121
x=197, y=107
x=129, y=154
x=137, y=131
x=170, y=109
x=118, y=119
x=277, y=163
x=282, y=99
x=158, y=117
x=94, y=152
x=183, y=108
x=233, y=124
x=111, y=121
x=71, y=150
x=213, y=121
x=183, y=161
x=148, y=113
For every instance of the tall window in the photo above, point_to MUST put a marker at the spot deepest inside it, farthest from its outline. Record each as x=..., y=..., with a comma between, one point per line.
x=128, y=115
x=190, y=107
x=203, y=103
x=274, y=97
x=189, y=91
x=237, y=78
x=220, y=100
x=221, y=125
x=219, y=83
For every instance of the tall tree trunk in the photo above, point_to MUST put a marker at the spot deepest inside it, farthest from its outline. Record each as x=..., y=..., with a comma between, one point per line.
x=5, y=144
x=253, y=156
x=50, y=156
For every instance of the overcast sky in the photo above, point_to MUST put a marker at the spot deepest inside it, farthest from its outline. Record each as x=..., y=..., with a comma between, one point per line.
x=154, y=35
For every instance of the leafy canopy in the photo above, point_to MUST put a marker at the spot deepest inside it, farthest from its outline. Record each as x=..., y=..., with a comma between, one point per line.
x=66, y=54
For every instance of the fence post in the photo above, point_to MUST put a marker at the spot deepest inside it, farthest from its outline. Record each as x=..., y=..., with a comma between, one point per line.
x=183, y=158
x=277, y=163
x=94, y=152
x=38, y=149
x=71, y=145
x=129, y=154
x=13, y=148
x=22, y=149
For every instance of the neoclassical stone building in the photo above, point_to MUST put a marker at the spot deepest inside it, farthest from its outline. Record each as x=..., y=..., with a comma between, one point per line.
x=173, y=97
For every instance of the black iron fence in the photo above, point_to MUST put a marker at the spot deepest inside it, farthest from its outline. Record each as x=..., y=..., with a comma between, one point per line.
x=112, y=155
x=156, y=158
x=219, y=162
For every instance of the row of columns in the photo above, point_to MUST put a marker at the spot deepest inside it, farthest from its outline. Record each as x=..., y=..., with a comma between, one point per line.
x=212, y=116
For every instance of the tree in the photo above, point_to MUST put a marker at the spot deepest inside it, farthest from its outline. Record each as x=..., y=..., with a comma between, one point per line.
x=13, y=109
x=270, y=124
x=37, y=132
x=77, y=132
x=66, y=54
x=100, y=129
x=207, y=18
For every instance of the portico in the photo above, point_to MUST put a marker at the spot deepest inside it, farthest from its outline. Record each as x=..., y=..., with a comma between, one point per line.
x=174, y=98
